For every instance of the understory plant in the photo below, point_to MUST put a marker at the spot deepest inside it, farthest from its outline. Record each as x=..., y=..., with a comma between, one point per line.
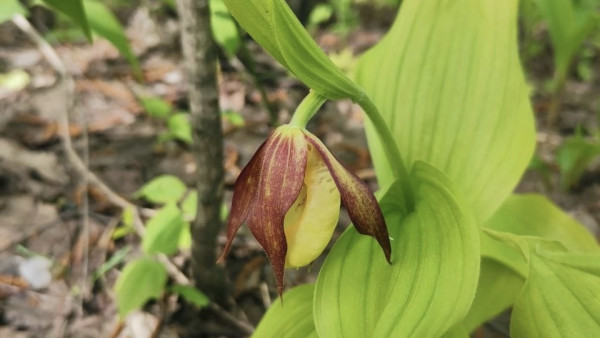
x=450, y=131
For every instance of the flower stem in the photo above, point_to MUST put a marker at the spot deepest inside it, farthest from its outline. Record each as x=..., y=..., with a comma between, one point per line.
x=307, y=109
x=392, y=153
x=313, y=101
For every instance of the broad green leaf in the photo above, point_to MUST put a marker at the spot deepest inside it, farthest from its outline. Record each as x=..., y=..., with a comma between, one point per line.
x=180, y=127
x=292, y=319
x=432, y=280
x=497, y=290
x=140, y=281
x=162, y=189
x=523, y=215
x=163, y=231
x=156, y=107
x=74, y=9
x=457, y=332
x=573, y=158
x=223, y=28
x=561, y=297
x=275, y=27
x=191, y=294
x=104, y=23
x=448, y=82
x=8, y=8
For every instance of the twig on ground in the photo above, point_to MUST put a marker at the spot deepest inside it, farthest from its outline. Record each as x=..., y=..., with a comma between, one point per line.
x=52, y=57
x=80, y=167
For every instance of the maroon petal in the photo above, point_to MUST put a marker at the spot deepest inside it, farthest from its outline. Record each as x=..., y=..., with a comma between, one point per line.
x=357, y=198
x=244, y=195
x=281, y=179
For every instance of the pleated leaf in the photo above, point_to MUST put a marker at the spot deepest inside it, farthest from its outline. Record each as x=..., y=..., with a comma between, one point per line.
x=497, y=290
x=561, y=297
x=448, y=81
x=431, y=282
x=504, y=269
x=292, y=319
x=535, y=215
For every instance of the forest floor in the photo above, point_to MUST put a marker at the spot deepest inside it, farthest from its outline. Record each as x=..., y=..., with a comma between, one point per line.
x=42, y=200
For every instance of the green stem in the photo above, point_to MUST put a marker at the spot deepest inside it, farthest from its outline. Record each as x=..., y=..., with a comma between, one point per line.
x=307, y=109
x=391, y=149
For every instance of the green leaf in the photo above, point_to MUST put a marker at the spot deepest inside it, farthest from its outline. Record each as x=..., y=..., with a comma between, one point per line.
x=320, y=14
x=431, y=282
x=156, y=107
x=104, y=23
x=255, y=17
x=8, y=8
x=163, y=231
x=448, y=82
x=292, y=319
x=531, y=215
x=180, y=127
x=457, y=332
x=189, y=206
x=140, y=281
x=574, y=156
x=163, y=189
x=234, y=118
x=497, y=290
x=561, y=296
x=191, y=294
x=127, y=224
x=275, y=27
x=223, y=28
x=74, y=10
x=569, y=25
x=535, y=215
x=306, y=60
x=185, y=238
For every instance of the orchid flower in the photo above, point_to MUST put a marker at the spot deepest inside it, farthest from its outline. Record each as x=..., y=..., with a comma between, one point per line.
x=289, y=196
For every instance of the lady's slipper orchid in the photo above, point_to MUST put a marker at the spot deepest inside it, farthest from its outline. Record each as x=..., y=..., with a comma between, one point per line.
x=289, y=195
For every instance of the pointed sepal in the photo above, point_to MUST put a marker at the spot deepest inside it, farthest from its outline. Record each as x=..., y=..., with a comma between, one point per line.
x=281, y=178
x=360, y=202
x=244, y=195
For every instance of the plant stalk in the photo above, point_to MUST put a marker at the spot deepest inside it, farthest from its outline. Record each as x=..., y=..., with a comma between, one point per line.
x=392, y=152
x=307, y=109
